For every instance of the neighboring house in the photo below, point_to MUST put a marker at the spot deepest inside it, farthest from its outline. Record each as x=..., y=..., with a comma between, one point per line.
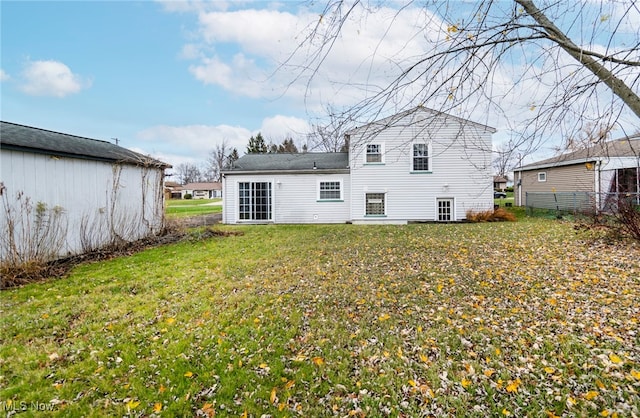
x=418, y=165
x=202, y=190
x=597, y=171
x=77, y=194
x=172, y=190
x=500, y=183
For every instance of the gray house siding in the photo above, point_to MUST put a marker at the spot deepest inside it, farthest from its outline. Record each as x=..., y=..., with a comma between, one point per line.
x=568, y=178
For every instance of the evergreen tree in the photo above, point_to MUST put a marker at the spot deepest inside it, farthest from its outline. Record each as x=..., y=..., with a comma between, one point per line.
x=257, y=145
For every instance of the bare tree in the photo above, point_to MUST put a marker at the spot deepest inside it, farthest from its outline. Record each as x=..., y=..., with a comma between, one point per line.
x=505, y=159
x=188, y=173
x=329, y=136
x=566, y=64
x=217, y=160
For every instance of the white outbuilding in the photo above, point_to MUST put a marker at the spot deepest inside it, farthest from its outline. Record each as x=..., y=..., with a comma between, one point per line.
x=63, y=194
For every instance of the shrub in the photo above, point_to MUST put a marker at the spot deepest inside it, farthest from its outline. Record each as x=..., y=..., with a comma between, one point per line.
x=508, y=189
x=492, y=215
x=188, y=196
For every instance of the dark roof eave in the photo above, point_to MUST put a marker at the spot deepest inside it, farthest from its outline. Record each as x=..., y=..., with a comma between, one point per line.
x=11, y=147
x=316, y=171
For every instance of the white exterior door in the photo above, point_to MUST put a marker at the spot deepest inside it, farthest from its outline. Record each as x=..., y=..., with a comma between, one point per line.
x=445, y=210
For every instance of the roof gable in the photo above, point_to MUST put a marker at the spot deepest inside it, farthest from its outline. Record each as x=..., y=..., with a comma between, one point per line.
x=41, y=141
x=415, y=116
x=309, y=161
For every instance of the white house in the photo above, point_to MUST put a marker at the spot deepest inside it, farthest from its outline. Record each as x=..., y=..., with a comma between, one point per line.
x=74, y=194
x=418, y=165
x=202, y=190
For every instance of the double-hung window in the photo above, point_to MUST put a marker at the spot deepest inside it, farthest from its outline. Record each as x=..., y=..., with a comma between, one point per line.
x=374, y=153
x=330, y=190
x=421, y=158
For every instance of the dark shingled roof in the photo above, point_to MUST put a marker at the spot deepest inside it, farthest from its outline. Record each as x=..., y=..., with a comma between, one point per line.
x=623, y=147
x=323, y=161
x=41, y=141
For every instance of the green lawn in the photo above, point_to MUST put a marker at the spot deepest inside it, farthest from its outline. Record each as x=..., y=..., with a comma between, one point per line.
x=176, y=208
x=497, y=319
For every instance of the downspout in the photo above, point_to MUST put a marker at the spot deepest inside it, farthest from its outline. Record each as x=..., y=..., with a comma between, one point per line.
x=597, y=185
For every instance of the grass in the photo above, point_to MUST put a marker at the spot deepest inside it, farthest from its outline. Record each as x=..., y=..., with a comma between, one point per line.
x=336, y=320
x=502, y=202
x=184, y=208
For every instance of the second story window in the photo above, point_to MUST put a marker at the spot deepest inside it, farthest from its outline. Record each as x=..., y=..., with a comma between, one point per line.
x=374, y=153
x=420, y=159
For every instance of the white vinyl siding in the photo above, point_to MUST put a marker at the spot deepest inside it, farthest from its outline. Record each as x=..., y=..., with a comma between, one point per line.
x=459, y=167
x=294, y=197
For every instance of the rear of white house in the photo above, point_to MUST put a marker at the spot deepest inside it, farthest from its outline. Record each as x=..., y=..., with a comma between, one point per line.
x=419, y=165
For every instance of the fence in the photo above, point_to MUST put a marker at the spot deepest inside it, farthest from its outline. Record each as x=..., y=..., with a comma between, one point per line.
x=577, y=202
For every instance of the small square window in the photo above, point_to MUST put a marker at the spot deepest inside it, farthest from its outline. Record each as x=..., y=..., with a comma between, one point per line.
x=374, y=204
x=374, y=153
x=542, y=176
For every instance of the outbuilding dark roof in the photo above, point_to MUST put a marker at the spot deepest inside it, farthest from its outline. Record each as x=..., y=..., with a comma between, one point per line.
x=41, y=141
x=310, y=161
x=623, y=147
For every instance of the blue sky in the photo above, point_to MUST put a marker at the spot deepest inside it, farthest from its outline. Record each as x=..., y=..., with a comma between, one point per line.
x=174, y=78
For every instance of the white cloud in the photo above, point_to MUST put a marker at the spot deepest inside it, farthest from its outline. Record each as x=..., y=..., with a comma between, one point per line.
x=3, y=75
x=279, y=127
x=51, y=78
x=195, y=141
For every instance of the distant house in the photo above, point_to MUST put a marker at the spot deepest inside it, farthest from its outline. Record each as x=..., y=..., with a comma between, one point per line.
x=418, y=165
x=172, y=190
x=209, y=190
x=84, y=193
x=594, y=172
x=500, y=183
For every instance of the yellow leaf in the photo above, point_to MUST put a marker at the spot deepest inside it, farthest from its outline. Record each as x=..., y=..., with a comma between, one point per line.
x=505, y=412
x=513, y=385
x=98, y=370
x=289, y=384
x=600, y=384
x=170, y=321
x=412, y=383
x=132, y=404
x=604, y=413
x=419, y=328
x=549, y=370
x=45, y=316
x=272, y=397
x=635, y=374
x=465, y=383
x=263, y=365
x=498, y=351
x=318, y=361
x=615, y=358
x=489, y=372
x=161, y=389
x=244, y=414
x=188, y=374
x=157, y=407
x=256, y=320
x=424, y=358
x=592, y=394
x=384, y=317
x=440, y=286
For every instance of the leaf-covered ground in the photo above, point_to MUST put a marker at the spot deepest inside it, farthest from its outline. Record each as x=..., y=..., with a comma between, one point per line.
x=519, y=319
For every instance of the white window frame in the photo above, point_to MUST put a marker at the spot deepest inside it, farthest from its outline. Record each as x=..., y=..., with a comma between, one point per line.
x=429, y=158
x=542, y=176
x=250, y=202
x=366, y=153
x=384, y=205
x=319, y=189
x=452, y=209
